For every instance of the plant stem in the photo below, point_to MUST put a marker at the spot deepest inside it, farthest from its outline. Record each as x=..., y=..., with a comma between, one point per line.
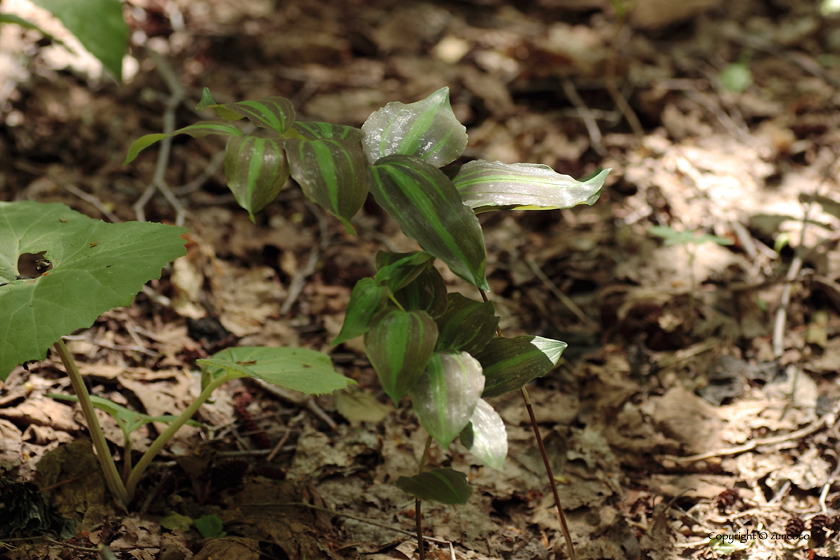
x=693, y=279
x=567, y=536
x=103, y=454
x=421, y=547
x=165, y=436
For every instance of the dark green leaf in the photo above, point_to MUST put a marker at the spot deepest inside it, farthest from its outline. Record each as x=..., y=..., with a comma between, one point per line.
x=96, y=266
x=510, y=363
x=299, y=369
x=105, y=36
x=275, y=113
x=486, y=436
x=366, y=300
x=322, y=130
x=210, y=526
x=445, y=396
x=427, y=130
x=444, y=486
x=256, y=170
x=467, y=324
x=332, y=173
x=426, y=292
x=396, y=270
x=398, y=345
x=197, y=130
x=485, y=185
x=428, y=208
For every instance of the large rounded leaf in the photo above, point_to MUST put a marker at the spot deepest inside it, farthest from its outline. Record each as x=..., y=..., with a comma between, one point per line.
x=427, y=130
x=428, y=208
x=332, y=174
x=446, y=395
x=299, y=369
x=445, y=486
x=398, y=345
x=510, y=363
x=486, y=436
x=467, y=325
x=493, y=185
x=95, y=267
x=256, y=170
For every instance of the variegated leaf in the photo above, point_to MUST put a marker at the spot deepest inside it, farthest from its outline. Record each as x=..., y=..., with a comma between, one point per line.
x=322, y=130
x=427, y=129
x=366, y=300
x=398, y=346
x=493, y=185
x=256, y=170
x=510, y=363
x=332, y=174
x=428, y=208
x=486, y=436
x=197, y=130
x=396, y=270
x=445, y=396
x=427, y=292
x=467, y=325
x=276, y=113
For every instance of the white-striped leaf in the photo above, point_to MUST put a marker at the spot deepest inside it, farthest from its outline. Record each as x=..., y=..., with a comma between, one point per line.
x=366, y=300
x=486, y=436
x=256, y=170
x=276, y=113
x=427, y=129
x=197, y=130
x=510, y=363
x=467, y=325
x=493, y=185
x=332, y=174
x=428, y=208
x=445, y=486
x=398, y=345
x=445, y=396
x=322, y=130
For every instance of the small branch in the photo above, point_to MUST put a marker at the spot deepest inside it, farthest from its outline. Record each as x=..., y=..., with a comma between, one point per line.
x=588, y=119
x=306, y=401
x=299, y=280
x=89, y=198
x=564, y=299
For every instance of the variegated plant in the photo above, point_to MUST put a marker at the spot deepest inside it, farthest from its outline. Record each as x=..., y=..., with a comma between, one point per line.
x=440, y=349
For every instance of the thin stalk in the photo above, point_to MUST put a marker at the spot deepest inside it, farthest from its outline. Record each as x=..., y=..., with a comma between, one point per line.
x=103, y=454
x=421, y=547
x=165, y=436
x=567, y=536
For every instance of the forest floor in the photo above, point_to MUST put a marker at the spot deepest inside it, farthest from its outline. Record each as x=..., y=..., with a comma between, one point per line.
x=676, y=414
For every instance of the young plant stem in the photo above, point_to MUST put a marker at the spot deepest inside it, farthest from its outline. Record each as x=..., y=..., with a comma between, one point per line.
x=567, y=536
x=103, y=454
x=421, y=547
x=165, y=436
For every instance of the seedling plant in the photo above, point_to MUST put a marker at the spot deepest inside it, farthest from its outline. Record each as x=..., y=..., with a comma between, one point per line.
x=443, y=350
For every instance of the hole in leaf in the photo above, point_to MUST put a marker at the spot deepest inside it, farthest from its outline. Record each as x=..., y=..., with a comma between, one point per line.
x=32, y=265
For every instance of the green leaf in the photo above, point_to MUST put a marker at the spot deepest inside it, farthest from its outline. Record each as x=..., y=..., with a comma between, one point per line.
x=510, y=363
x=426, y=292
x=674, y=237
x=366, y=300
x=492, y=185
x=398, y=345
x=256, y=170
x=299, y=369
x=428, y=208
x=96, y=267
x=275, y=113
x=427, y=129
x=444, y=486
x=396, y=270
x=99, y=26
x=736, y=77
x=445, y=397
x=197, y=130
x=210, y=526
x=486, y=436
x=467, y=325
x=332, y=174
x=322, y=131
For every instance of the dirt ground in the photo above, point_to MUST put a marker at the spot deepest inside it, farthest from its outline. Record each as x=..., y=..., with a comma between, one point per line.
x=699, y=394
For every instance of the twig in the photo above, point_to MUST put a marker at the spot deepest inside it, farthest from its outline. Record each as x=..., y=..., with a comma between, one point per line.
x=299, y=280
x=177, y=96
x=70, y=546
x=205, y=175
x=89, y=198
x=612, y=89
x=585, y=114
x=749, y=446
x=279, y=447
x=306, y=401
x=564, y=299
